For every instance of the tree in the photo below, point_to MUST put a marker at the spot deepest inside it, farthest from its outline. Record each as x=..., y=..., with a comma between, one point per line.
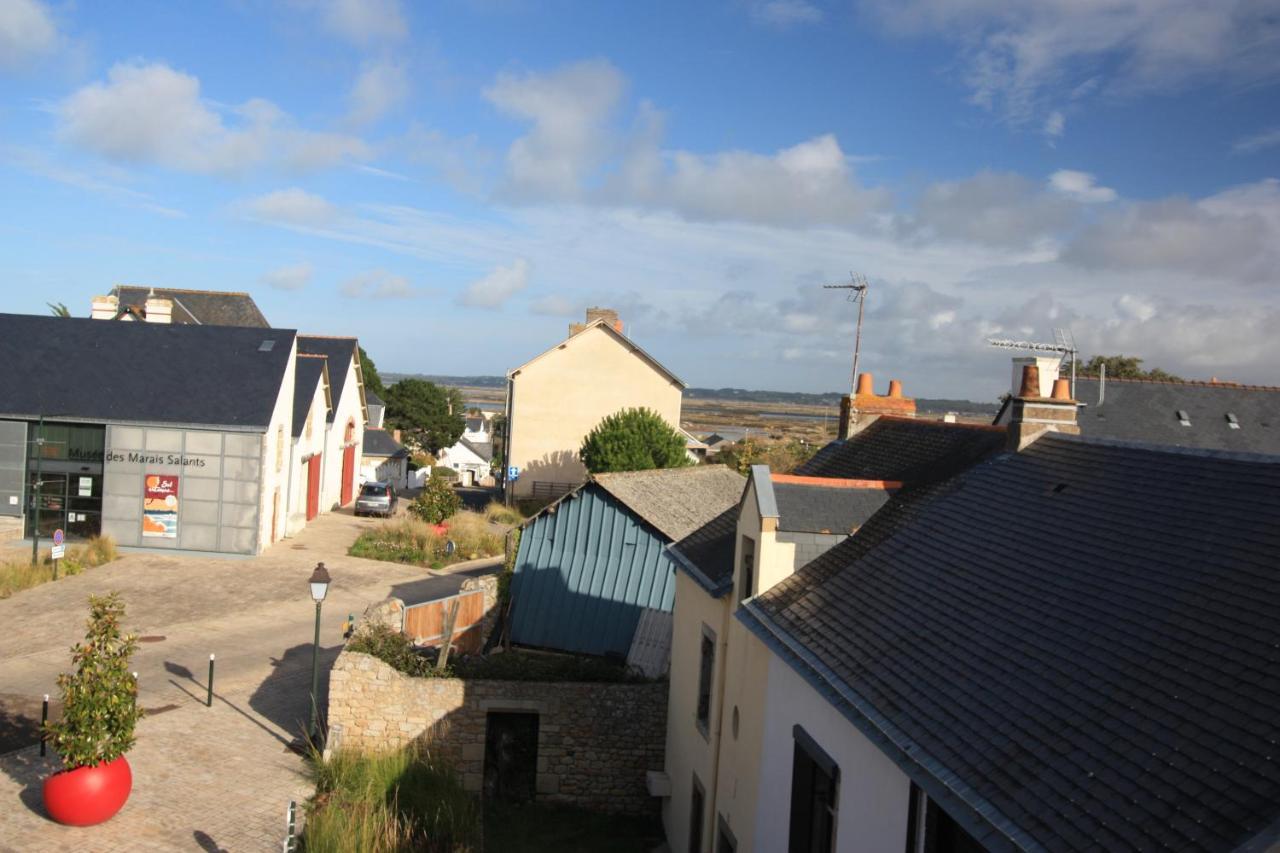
x=1123, y=367
x=437, y=502
x=429, y=415
x=782, y=457
x=57, y=309
x=372, y=381
x=633, y=440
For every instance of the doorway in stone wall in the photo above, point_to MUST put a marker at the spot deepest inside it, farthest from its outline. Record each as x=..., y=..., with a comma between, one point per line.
x=510, y=756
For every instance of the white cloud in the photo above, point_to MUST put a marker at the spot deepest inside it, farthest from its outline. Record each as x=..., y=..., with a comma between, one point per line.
x=377, y=284
x=27, y=32
x=785, y=13
x=1257, y=142
x=1055, y=124
x=1018, y=55
x=554, y=305
x=380, y=87
x=497, y=287
x=569, y=109
x=293, y=206
x=992, y=208
x=364, y=22
x=294, y=277
x=1080, y=186
x=37, y=162
x=153, y=114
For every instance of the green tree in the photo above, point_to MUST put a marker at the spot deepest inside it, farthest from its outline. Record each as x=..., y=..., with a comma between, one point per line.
x=437, y=502
x=1123, y=367
x=633, y=440
x=100, y=699
x=372, y=381
x=57, y=309
x=428, y=414
x=782, y=457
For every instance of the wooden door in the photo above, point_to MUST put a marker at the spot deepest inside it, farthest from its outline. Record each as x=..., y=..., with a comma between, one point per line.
x=313, y=487
x=510, y=756
x=348, y=472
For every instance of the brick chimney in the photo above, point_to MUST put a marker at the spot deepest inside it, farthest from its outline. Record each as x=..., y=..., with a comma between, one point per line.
x=1047, y=366
x=857, y=412
x=607, y=314
x=1033, y=414
x=105, y=307
x=158, y=309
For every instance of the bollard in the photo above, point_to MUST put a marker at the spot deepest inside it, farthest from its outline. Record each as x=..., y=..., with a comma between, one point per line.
x=208, y=702
x=135, y=688
x=44, y=720
x=291, y=826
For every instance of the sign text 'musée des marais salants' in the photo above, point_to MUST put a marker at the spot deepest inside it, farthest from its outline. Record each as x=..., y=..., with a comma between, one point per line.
x=141, y=458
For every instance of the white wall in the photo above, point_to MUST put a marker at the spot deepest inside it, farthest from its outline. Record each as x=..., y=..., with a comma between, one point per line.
x=871, y=816
x=277, y=445
x=346, y=408
x=304, y=446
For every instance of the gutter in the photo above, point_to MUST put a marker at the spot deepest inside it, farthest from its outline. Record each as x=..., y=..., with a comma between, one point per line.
x=902, y=750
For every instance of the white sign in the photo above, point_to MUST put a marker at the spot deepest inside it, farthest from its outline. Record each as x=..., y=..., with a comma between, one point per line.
x=13, y=500
x=58, y=551
x=86, y=487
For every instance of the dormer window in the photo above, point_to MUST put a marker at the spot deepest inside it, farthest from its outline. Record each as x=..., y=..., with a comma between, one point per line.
x=1232, y=421
x=1184, y=418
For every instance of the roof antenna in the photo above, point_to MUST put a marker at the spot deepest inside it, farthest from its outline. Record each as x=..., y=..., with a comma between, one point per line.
x=857, y=288
x=1102, y=382
x=1063, y=342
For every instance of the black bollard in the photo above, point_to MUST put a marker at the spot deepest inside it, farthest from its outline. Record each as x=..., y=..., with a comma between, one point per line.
x=44, y=720
x=208, y=702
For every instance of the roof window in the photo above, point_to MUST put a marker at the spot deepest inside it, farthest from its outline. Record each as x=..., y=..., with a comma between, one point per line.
x=1232, y=421
x=266, y=346
x=1183, y=417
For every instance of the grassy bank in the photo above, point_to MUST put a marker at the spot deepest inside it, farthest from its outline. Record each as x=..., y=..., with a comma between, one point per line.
x=414, y=542
x=17, y=573
x=403, y=800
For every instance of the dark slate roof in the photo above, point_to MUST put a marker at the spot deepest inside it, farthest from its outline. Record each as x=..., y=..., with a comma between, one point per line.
x=308, y=375
x=339, y=352
x=373, y=399
x=483, y=449
x=379, y=442
x=804, y=508
x=1074, y=647
x=1148, y=411
x=95, y=370
x=204, y=307
x=908, y=450
x=707, y=552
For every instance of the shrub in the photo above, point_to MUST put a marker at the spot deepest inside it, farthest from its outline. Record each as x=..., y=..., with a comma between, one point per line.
x=437, y=501
x=448, y=475
x=415, y=542
x=99, y=700
x=500, y=513
x=633, y=440
x=17, y=575
x=392, y=648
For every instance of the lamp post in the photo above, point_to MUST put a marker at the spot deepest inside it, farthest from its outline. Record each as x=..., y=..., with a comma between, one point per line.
x=319, y=581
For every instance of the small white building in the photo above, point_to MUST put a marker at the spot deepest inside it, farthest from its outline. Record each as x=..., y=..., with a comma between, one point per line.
x=385, y=458
x=471, y=460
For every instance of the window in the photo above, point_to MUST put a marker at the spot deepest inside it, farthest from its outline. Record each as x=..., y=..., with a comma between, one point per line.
x=746, y=575
x=931, y=830
x=705, y=669
x=279, y=447
x=697, y=804
x=815, y=780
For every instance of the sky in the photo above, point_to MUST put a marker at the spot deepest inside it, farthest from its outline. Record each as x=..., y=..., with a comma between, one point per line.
x=454, y=182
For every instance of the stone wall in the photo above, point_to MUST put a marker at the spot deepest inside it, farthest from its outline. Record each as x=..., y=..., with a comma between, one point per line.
x=595, y=741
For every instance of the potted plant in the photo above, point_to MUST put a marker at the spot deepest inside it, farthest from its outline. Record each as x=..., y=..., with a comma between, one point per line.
x=99, y=712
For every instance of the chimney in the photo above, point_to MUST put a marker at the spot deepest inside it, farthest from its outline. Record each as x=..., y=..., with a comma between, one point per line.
x=858, y=412
x=607, y=314
x=105, y=307
x=158, y=309
x=1034, y=414
x=1048, y=371
x=395, y=434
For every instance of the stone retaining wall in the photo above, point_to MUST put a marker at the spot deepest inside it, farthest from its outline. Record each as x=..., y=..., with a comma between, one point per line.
x=595, y=741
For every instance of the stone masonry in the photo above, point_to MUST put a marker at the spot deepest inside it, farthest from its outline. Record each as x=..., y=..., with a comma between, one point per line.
x=595, y=740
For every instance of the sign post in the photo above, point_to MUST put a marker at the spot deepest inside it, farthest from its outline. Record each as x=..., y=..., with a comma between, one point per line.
x=58, y=551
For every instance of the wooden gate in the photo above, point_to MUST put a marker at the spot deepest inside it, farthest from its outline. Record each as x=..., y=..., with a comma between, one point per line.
x=313, y=487
x=348, y=472
x=424, y=623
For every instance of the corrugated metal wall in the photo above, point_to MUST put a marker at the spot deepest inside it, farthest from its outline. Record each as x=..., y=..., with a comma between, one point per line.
x=584, y=574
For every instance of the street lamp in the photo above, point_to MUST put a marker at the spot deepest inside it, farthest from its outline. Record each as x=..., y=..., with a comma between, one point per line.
x=319, y=581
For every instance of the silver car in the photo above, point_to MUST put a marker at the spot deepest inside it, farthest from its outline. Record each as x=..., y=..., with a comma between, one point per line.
x=377, y=498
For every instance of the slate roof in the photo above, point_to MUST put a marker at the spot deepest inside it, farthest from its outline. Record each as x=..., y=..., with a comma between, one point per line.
x=379, y=442
x=80, y=369
x=1139, y=410
x=804, y=508
x=1074, y=647
x=373, y=399
x=707, y=552
x=677, y=501
x=483, y=449
x=308, y=374
x=203, y=307
x=909, y=450
x=339, y=352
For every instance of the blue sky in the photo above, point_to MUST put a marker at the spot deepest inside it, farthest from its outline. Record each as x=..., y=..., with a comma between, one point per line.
x=454, y=182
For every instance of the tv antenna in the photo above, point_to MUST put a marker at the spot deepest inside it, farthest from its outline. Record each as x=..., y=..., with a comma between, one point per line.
x=857, y=288
x=1063, y=342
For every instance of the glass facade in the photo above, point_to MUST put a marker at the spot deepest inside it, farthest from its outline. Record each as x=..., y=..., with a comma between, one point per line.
x=67, y=493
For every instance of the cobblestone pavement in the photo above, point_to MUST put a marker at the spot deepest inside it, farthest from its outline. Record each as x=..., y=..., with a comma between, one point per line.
x=216, y=778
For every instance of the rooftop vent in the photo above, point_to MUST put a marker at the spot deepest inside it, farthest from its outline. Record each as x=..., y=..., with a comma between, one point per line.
x=266, y=346
x=1183, y=417
x=1232, y=421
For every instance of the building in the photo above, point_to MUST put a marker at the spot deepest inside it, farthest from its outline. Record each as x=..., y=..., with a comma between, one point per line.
x=591, y=563
x=385, y=458
x=312, y=400
x=165, y=436
x=471, y=460
x=344, y=425
x=556, y=398
x=1068, y=644
x=172, y=305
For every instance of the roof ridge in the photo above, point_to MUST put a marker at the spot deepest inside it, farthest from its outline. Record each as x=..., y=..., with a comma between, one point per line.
x=184, y=290
x=835, y=482
x=330, y=337
x=1172, y=449
x=932, y=422
x=1205, y=383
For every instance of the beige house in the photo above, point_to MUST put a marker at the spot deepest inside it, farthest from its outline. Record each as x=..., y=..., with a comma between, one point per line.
x=556, y=398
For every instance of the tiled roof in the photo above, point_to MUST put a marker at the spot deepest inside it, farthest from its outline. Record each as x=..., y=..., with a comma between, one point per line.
x=339, y=352
x=379, y=442
x=142, y=372
x=677, y=501
x=804, y=508
x=1074, y=647
x=906, y=449
x=204, y=307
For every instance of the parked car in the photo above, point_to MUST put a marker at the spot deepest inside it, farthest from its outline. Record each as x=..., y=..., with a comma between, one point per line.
x=377, y=498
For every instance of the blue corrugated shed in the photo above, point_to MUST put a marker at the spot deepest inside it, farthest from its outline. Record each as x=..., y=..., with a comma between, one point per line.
x=584, y=573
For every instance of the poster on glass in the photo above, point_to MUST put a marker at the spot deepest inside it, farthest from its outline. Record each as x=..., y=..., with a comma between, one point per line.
x=160, y=506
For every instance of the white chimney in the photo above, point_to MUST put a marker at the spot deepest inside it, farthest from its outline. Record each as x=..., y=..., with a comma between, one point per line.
x=1047, y=365
x=158, y=309
x=105, y=307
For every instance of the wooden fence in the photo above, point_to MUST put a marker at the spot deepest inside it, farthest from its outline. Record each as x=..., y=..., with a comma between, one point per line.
x=424, y=624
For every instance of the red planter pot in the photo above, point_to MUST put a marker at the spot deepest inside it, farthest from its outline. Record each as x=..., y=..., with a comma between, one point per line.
x=88, y=795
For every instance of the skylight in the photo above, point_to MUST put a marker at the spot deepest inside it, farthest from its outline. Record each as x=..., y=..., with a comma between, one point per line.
x=1232, y=421
x=266, y=346
x=1183, y=417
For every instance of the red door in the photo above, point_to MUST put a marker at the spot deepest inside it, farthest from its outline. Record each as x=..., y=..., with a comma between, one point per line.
x=313, y=487
x=348, y=472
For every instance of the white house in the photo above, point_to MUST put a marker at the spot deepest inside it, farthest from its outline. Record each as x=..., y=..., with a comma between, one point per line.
x=344, y=427
x=385, y=458
x=471, y=460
